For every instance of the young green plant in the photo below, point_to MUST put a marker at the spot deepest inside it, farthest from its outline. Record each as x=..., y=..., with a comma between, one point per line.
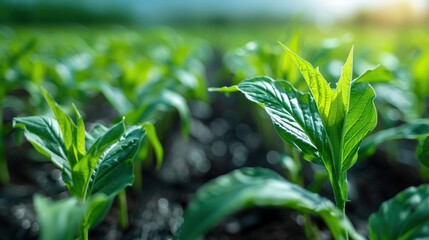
x=326, y=125
x=95, y=165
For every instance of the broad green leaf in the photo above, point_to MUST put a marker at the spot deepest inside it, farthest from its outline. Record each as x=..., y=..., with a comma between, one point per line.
x=45, y=135
x=361, y=119
x=59, y=219
x=319, y=87
x=404, y=217
x=70, y=132
x=423, y=151
x=83, y=170
x=377, y=75
x=418, y=129
x=154, y=141
x=256, y=187
x=293, y=113
x=117, y=98
x=116, y=163
x=98, y=207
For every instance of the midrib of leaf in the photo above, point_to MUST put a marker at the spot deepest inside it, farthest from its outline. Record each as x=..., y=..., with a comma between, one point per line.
x=95, y=173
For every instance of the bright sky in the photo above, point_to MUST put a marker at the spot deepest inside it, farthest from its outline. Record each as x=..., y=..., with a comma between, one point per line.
x=342, y=7
x=320, y=10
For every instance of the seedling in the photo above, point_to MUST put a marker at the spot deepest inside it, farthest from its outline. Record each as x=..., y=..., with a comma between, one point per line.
x=95, y=165
x=326, y=126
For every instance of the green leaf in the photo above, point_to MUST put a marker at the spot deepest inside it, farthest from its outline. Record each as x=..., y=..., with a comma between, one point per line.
x=423, y=151
x=319, y=87
x=417, y=129
x=256, y=187
x=231, y=89
x=45, y=135
x=80, y=132
x=164, y=101
x=117, y=98
x=95, y=133
x=377, y=75
x=293, y=113
x=361, y=119
x=71, y=134
x=98, y=207
x=59, y=219
x=83, y=170
x=406, y=216
x=116, y=163
x=156, y=144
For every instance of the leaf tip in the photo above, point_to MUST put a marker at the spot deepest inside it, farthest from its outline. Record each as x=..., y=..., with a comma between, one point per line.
x=225, y=89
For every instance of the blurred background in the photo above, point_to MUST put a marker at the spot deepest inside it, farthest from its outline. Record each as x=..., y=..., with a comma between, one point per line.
x=154, y=60
x=387, y=12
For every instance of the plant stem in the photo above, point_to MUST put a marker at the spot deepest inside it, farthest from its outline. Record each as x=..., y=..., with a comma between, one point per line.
x=339, y=184
x=123, y=210
x=299, y=178
x=310, y=231
x=4, y=172
x=336, y=183
x=85, y=231
x=137, y=185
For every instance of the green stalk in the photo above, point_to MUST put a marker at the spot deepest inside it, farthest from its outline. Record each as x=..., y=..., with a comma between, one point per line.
x=123, y=210
x=4, y=172
x=310, y=230
x=298, y=179
x=137, y=185
x=84, y=234
x=336, y=183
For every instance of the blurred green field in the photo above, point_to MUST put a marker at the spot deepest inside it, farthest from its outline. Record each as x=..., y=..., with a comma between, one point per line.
x=161, y=74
